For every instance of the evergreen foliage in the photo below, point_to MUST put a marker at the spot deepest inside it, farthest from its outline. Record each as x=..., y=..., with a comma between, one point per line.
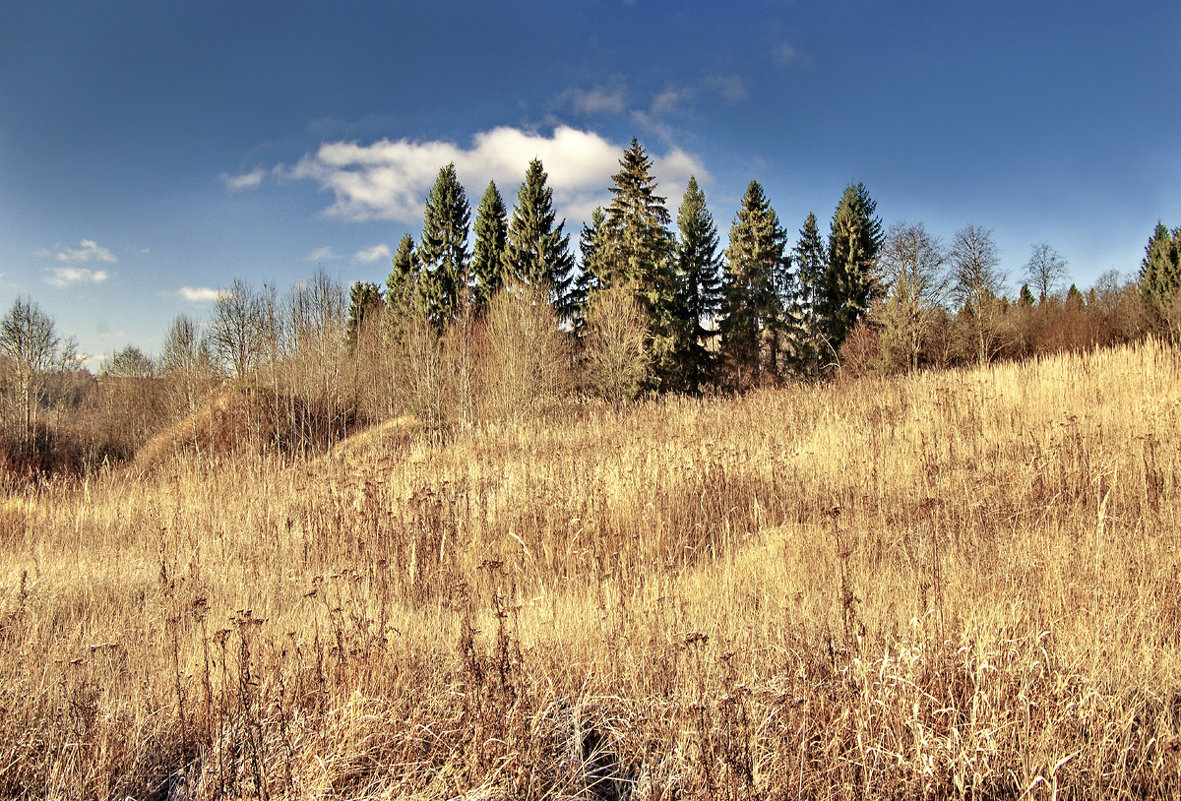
x=753, y=305
x=850, y=279
x=491, y=231
x=1160, y=275
x=537, y=251
x=364, y=300
x=446, y=264
x=698, y=296
x=635, y=249
x=810, y=260
x=587, y=281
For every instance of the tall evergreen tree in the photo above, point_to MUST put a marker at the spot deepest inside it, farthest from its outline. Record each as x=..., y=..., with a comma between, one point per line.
x=753, y=306
x=364, y=300
x=443, y=250
x=850, y=277
x=636, y=248
x=1160, y=275
x=491, y=230
x=698, y=289
x=590, y=266
x=537, y=251
x=810, y=260
x=636, y=245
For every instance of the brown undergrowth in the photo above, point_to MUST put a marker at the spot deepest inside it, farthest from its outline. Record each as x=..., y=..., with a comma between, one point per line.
x=960, y=584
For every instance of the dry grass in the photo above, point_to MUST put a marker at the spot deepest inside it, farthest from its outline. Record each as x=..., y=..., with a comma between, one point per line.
x=961, y=584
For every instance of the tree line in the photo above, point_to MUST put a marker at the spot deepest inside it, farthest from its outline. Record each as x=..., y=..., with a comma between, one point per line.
x=498, y=317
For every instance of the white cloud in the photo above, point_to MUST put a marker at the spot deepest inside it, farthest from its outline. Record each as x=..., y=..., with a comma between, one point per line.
x=69, y=276
x=87, y=250
x=198, y=294
x=247, y=180
x=323, y=254
x=375, y=253
x=389, y=180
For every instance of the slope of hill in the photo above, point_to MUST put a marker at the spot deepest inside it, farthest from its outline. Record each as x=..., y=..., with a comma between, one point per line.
x=951, y=584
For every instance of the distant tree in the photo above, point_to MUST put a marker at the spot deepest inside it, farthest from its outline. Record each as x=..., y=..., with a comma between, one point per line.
x=35, y=352
x=365, y=304
x=491, y=231
x=237, y=331
x=1160, y=277
x=810, y=260
x=186, y=360
x=698, y=297
x=753, y=307
x=977, y=285
x=130, y=362
x=1025, y=299
x=1074, y=300
x=1045, y=270
x=443, y=250
x=537, y=251
x=911, y=262
x=850, y=279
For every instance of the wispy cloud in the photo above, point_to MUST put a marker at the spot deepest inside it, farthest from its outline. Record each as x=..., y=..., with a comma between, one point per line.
x=610, y=99
x=375, y=253
x=388, y=180
x=87, y=250
x=69, y=276
x=198, y=294
x=323, y=254
x=730, y=87
x=244, y=181
x=784, y=53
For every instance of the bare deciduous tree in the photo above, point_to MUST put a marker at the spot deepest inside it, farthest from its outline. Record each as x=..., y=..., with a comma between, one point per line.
x=977, y=284
x=912, y=266
x=35, y=352
x=1045, y=271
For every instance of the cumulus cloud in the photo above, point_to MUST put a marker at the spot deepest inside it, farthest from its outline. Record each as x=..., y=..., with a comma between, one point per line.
x=198, y=294
x=323, y=254
x=87, y=250
x=388, y=180
x=375, y=253
x=69, y=276
x=247, y=180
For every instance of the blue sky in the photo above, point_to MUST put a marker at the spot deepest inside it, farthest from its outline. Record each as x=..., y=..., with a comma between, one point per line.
x=152, y=152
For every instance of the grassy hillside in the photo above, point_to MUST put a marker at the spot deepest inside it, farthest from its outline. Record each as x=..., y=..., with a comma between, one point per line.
x=961, y=584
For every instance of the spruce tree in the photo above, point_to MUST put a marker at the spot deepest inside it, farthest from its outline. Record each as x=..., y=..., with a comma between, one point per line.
x=636, y=246
x=1160, y=274
x=537, y=251
x=753, y=308
x=635, y=250
x=698, y=289
x=364, y=300
x=443, y=251
x=404, y=296
x=491, y=231
x=810, y=260
x=850, y=277
x=590, y=266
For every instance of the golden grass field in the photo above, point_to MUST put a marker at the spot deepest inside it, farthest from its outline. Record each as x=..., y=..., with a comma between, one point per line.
x=953, y=584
